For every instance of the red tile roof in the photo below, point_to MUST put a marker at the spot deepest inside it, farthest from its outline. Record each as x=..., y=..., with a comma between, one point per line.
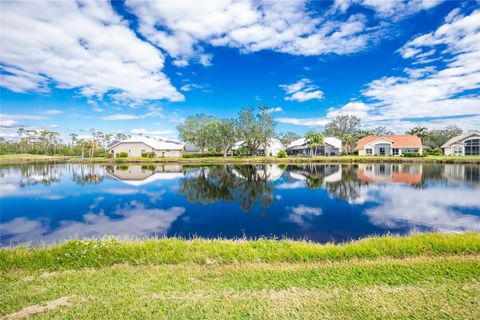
x=399, y=141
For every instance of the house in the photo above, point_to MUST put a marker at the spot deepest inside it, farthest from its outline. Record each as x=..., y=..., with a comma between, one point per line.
x=271, y=148
x=391, y=145
x=332, y=147
x=467, y=144
x=135, y=146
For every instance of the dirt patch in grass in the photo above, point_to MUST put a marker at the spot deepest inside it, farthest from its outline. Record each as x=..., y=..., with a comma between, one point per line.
x=31, y=310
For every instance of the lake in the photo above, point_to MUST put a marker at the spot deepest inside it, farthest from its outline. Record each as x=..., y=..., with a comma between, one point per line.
x=318, y=202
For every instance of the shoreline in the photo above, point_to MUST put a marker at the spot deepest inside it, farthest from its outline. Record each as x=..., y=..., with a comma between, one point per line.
x=22, y=159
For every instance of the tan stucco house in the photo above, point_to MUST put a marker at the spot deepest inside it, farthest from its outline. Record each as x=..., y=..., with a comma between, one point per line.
x=136, y=145
x=467, y=144
x=390, y=145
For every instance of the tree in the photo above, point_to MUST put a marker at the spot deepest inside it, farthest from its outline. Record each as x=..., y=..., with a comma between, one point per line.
x=418, y=131
x=224, y=134
x=249, y=129
x=381, y=131
x=256, y=129
x=197, y=130
x=314, y=140
x=346, y=128
x=74, y=137
x=436, y=138
x=266, y=124
x=288, y=137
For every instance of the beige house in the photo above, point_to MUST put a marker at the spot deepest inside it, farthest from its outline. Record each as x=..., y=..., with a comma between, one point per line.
x=135, y=146
x=391, y=145
x=467, y=144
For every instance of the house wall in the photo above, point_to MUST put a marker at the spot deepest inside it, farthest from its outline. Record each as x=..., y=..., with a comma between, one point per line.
x=135, y=149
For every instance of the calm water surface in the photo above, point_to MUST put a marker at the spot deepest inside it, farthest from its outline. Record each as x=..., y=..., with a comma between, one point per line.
x=50, y=203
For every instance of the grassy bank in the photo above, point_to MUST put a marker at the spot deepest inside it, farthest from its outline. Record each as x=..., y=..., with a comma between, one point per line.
x=22, y=158
x=422, y=276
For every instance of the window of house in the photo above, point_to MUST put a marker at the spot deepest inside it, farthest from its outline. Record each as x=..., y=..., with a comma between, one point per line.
x=457, y=150
x=472, y=147
x=142, y=151
x=395, y=151
x=368, y=152
x=410, y=150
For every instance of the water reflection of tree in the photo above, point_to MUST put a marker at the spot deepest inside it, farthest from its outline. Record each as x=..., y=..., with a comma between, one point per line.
x=39, y=173
x=88, y=174
x=349, y=186
x=228, y=183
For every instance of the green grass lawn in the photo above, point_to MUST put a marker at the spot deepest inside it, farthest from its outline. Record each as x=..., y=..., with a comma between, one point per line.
x=21, y=158
x=430, y=276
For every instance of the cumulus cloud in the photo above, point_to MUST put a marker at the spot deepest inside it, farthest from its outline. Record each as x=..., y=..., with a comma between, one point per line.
x=276, y=109
x=442, y=92
x=79, y=45
x=389, y=9
x=185, y=28
x=302, y=90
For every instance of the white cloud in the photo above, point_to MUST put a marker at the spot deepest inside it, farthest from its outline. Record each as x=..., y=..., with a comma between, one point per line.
x=84, y=46
x=115, y=117
x=152, y=132
x=389, y=9
x=51, y=112
x=426, y=91
x=302, y=90
x=8, y=123
x=152, y=112
x=185, y=28
x=276, y=109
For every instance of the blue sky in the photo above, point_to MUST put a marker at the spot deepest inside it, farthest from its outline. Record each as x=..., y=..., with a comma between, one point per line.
x=141, y=67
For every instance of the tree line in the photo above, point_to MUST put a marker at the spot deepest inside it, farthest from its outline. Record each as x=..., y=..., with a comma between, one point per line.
x=48, y=142
x=253, y=125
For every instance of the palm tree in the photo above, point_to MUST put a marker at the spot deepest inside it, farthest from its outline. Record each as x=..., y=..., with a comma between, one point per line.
x=314, y=140
x=418, y=131
x=74, y=137
x=92, y=145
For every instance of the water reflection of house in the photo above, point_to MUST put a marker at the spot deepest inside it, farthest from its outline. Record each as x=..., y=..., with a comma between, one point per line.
x=137, y=175
x=460, y=173
x=268, y=172
x=330, y=173
x=398, y=173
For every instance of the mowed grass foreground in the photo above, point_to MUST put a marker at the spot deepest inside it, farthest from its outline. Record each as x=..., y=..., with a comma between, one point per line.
x=431, y=276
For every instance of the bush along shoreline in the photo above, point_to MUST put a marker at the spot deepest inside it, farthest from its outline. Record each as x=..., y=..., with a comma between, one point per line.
x=77, y=254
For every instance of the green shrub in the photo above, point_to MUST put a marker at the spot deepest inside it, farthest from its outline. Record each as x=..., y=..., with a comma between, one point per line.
x=150, y=154
x=122, y=154
x=413, y=155
x=282, y=154
x=434, y=151
x=202, y=155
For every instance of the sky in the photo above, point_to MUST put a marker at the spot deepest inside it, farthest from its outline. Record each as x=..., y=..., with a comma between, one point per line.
x=142, y=67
